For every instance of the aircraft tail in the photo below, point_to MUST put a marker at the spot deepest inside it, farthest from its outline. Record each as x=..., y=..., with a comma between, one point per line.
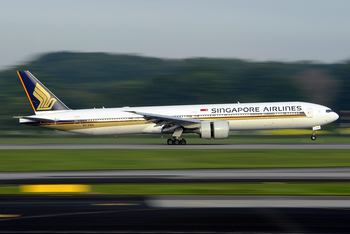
x=40, y=97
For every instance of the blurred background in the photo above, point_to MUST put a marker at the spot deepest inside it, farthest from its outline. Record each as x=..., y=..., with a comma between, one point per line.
x=140, y=53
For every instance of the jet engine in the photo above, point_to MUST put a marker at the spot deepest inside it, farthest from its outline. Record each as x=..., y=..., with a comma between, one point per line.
x=216, y=129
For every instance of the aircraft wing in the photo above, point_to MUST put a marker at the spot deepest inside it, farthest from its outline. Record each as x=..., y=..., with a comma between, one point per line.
x=169, y=122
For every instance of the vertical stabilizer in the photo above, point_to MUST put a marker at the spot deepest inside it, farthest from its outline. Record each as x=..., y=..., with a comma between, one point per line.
x=40, y=97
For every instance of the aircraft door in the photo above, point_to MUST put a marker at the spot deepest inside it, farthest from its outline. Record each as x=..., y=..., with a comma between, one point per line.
x=309, y=113
x=135, y=118
x=77, y=120
x=194, y=114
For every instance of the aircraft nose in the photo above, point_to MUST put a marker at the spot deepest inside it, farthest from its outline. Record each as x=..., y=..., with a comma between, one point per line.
x=336, y=116
x=333, y=117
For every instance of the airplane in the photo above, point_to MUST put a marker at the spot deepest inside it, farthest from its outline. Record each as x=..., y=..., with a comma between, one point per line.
x=210, y=121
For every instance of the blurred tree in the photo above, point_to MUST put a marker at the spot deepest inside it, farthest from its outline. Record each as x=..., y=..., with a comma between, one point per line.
x=87, y=80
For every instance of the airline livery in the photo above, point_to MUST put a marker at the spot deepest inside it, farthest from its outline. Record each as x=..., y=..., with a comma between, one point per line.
x=212, y=121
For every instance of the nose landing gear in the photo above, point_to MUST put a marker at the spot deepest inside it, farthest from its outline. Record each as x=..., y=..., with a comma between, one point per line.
x=313, y=137
x=314, y=130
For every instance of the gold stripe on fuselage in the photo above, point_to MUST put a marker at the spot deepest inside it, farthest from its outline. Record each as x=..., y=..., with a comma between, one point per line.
x=66, y=126
x=76, y=125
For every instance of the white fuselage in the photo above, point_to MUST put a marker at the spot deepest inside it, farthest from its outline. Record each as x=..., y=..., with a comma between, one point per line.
x=245, y=116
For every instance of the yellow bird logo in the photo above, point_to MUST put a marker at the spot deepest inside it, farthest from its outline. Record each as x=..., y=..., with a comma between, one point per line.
x=46, y=102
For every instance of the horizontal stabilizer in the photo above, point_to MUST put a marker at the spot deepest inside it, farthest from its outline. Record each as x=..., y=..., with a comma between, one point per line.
x=36, y=119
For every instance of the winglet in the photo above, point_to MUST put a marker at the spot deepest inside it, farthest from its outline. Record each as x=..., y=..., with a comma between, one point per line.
x=40, y=97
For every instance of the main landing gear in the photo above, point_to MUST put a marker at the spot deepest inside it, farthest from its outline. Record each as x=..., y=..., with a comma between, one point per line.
x=314, y=130
x=176, y=138
x=176, y=141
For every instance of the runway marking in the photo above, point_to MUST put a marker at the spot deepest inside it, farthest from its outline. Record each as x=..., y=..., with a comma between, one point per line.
x=74, y=214
x=9, y=215
x=116, y=204
x=55, y=188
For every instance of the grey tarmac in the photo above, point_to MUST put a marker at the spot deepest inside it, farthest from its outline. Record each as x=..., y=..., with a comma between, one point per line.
x=341, y=174
x=187, y=201
x=173, y=147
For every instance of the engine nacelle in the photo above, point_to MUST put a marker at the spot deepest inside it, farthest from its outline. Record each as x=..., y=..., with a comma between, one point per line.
x=216, y=129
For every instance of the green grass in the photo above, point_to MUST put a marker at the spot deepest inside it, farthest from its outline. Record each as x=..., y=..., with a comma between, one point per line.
x=108, y=159
x=225, y=189
x=240, y=138
x=323, y=189
x=128, y=159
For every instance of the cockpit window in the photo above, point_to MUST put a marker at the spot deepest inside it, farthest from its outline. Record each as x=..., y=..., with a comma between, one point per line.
x=329, y=111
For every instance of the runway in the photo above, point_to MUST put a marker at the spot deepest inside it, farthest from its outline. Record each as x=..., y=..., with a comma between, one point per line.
x=173, y=147
x=340, y=174
x=197, y=214
x=175, y=214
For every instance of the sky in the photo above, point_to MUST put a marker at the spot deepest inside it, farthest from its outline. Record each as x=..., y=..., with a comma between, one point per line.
x=258, y=30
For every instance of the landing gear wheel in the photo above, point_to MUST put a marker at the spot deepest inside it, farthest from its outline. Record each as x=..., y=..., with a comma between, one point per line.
x=176, y=142
x=183, y=142
x=170, y=141
x=313, y=137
